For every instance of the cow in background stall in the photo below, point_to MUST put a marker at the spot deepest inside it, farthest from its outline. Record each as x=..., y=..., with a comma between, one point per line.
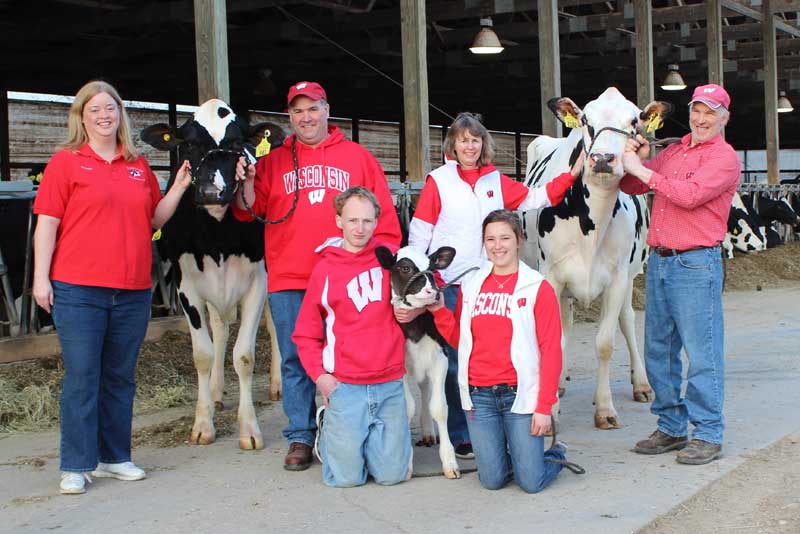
x=593, y=243
x=743, y=233
x=219, y=262
x=766, y=211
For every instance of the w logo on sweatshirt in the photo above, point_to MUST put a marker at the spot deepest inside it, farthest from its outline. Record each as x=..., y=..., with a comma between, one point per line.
x=316, y=196
x=366, y=287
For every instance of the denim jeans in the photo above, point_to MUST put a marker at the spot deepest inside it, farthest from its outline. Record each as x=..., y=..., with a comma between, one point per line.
x=100, y=330
x=684, y=310
x=365, y=430
x=297, y=388
x=456, y=422
x=503, y=444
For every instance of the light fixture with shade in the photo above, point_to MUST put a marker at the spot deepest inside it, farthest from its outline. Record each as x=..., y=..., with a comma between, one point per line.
x=673, y=81
x=784, y=106
x=486, y=42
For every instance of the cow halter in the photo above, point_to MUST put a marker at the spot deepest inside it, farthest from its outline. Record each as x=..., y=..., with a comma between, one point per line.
x=296, y=191
x=193, y=171
x=629, y=135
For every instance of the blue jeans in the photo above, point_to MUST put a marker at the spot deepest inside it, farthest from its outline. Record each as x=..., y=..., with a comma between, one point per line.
x=503, y=444
x=365, y=430
x=456, y=422
x=297, y=388
x=100, y=330
x=684, y=310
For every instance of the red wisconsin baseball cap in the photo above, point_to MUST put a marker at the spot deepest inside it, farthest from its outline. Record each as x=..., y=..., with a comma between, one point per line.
x=712, y=95
x=312, y=90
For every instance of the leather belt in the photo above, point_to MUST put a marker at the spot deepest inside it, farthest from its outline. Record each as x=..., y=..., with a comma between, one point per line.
x=667, y=252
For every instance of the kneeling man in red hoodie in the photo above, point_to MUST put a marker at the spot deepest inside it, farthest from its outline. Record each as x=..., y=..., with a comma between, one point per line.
x=353, y=349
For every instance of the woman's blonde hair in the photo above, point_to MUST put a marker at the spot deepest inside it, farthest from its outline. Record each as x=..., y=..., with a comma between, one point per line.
x=76, y=133
x=471, y=123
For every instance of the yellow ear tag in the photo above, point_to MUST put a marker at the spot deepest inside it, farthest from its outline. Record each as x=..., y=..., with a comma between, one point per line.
x=655, y=124
x=157, y=235
x=263, y=148
x=571, y=121
x=166, y=137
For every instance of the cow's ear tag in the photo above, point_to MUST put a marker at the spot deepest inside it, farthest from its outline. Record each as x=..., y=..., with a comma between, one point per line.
x=655, y=123
x=571, y=121
x=166, y=137
x=263, y=148
x=157, y=235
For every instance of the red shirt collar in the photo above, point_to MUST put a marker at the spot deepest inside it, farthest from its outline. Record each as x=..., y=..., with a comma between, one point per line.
x=686, y=139
x=86, y=150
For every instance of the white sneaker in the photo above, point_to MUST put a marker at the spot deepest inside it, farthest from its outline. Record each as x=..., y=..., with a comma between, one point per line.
x=320, y=417
x=122, y=471
x=73, y=483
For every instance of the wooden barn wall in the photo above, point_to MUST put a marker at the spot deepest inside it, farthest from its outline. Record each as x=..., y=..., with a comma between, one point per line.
x=35, y=128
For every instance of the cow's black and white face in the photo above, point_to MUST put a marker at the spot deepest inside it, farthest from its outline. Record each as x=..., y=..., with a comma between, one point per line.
x=604, y=125
x=412, y=281
x=212, y=140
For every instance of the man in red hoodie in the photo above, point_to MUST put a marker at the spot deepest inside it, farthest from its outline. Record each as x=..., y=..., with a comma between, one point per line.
x=353, y=349
x=299, y=179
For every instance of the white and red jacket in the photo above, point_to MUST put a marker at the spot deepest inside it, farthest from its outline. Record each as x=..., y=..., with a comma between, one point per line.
x=450, y=210
x=346, y=325
x=535, y=346
x=325, y=171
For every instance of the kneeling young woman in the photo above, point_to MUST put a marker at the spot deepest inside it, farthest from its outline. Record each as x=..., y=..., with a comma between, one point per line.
x=507, y=328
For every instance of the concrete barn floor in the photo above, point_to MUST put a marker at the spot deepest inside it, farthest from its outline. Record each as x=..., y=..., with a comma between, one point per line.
x=220, y=488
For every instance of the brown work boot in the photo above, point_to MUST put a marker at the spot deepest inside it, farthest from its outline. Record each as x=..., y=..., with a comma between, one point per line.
x=298, y=458
x=699, y=452
x=659, y=442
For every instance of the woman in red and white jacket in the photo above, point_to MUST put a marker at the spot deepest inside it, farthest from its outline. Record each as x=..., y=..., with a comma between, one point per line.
x=455, y=200
x=507, y=328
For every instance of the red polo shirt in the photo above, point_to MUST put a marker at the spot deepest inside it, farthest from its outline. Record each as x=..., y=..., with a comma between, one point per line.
x=106, y=211
x=693, y=188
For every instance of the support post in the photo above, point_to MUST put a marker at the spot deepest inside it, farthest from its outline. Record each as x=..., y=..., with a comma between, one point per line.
x=549, y=63
x=770, y=93
x=714, y=41
x=415, y=89
x=643, y=23
x=5, y=140
x=172, y=112
x=211, y=47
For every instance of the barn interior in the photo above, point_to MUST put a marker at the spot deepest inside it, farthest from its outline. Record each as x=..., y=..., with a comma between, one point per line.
x=147, y=49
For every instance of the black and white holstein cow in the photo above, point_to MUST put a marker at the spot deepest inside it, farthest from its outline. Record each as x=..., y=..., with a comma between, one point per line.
x=593, y=244
x=219, y=262
x=743, y=232
x=413, y=287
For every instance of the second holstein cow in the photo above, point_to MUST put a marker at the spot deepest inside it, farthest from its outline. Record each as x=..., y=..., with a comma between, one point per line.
x=593, y=244
x=413, y=287
x=218, y=261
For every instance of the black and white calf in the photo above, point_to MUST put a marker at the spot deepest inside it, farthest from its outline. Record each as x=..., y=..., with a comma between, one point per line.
x=413, y=287
x=219, y=262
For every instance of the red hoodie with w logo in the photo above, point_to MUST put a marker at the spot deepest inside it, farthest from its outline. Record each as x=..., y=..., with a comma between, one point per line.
x=346, y=325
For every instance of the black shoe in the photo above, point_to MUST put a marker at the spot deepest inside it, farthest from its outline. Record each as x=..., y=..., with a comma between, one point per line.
x=699, y=452
x=464, y=451
x=659, y=442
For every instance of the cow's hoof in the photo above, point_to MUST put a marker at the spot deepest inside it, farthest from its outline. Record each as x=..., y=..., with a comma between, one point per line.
x=606, y=422
x=452, y=474
x=202, y=437
x=427, y=441
x=251, y=443
x=219, y=406
x=561, y=392
x=646, y=395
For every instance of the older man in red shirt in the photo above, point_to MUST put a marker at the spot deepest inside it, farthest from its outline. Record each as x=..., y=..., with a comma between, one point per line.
x=693, y=184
